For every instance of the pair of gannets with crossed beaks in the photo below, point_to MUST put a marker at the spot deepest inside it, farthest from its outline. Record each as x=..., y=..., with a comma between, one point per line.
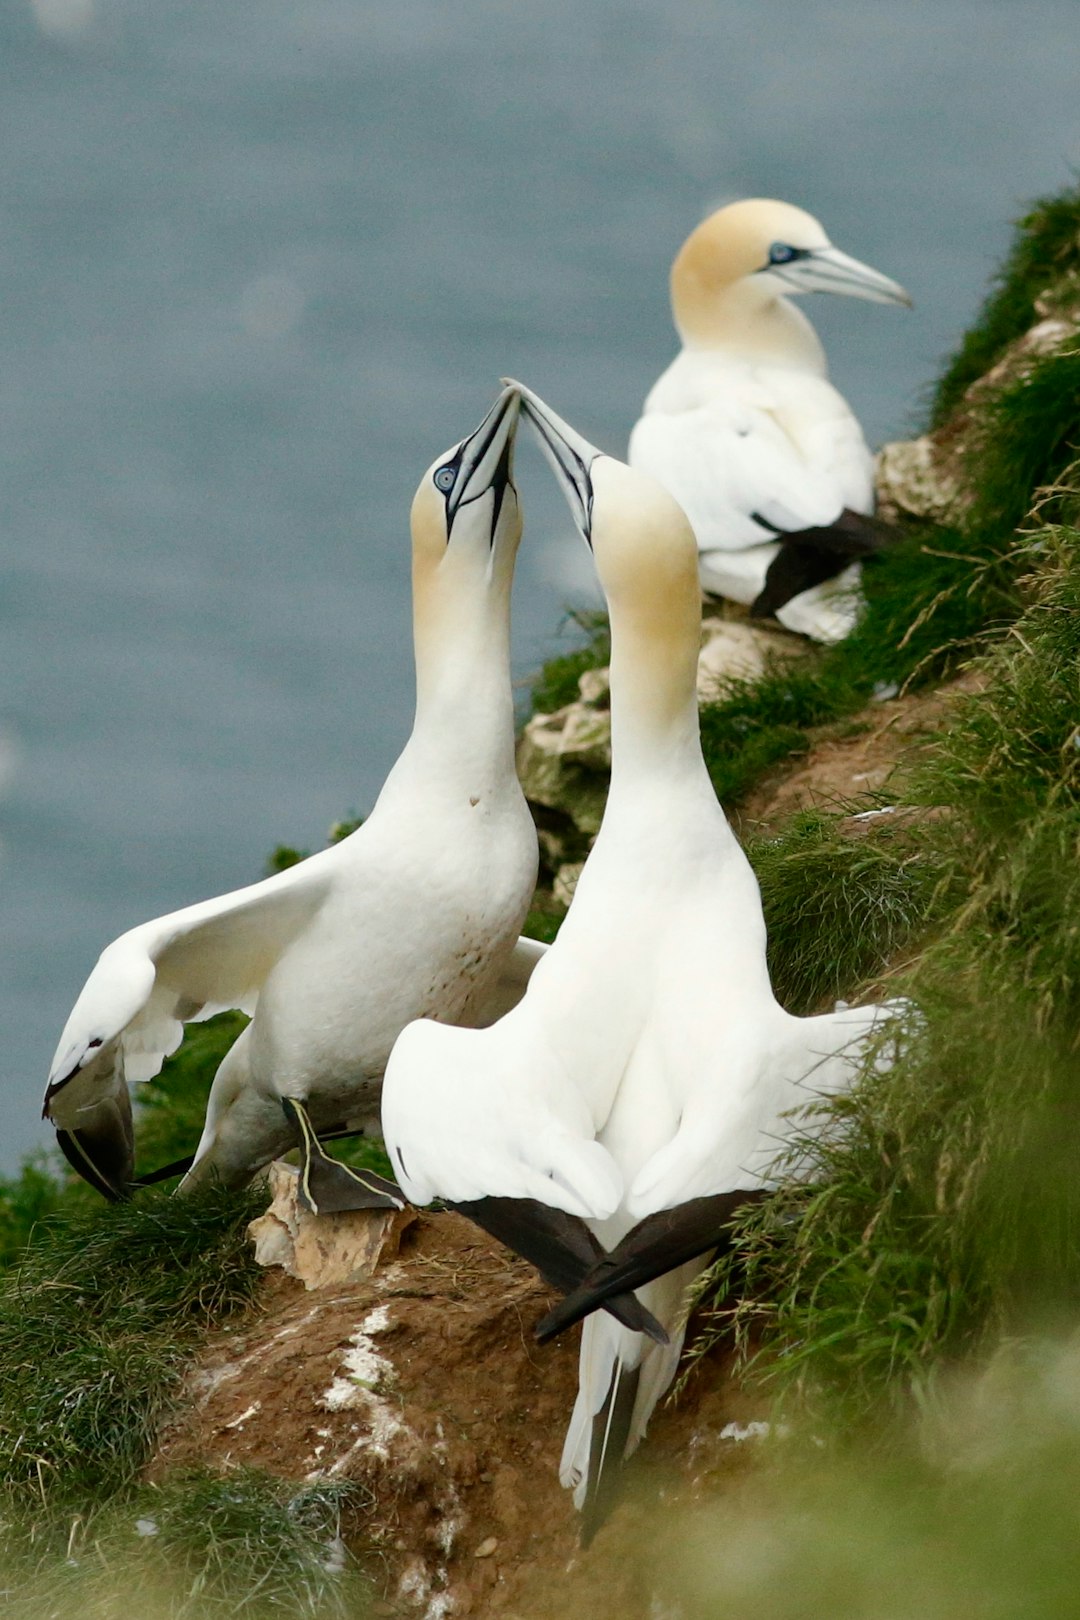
x=642, y=1084
x=746, y=431
x=416, y=914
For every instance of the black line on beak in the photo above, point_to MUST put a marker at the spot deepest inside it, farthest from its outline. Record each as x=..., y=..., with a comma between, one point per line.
x=473, y=449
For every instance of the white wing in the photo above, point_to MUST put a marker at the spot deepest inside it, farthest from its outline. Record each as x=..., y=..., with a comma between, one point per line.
x=189, y=964
x=734, y=1129
x=481, y=1113
x=747, y=452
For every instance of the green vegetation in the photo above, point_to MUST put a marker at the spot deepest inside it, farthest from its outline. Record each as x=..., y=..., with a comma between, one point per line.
x=945, y=1208
x=557, y=683
x=841, y=899
x=1045, y=256
x=97, y=1322
x=969, y=1510
x=199, y=1545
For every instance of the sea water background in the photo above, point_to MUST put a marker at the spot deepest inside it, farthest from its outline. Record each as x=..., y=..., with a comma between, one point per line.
x=261, y=260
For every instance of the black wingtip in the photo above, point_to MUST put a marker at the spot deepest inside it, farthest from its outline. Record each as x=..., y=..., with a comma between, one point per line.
x=809, y=557
x=77, y=1155
x=657, y=1244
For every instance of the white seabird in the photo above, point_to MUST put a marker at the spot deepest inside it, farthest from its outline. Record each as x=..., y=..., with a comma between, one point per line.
x=746, y=431
x=416, y=913
x=643, y=1082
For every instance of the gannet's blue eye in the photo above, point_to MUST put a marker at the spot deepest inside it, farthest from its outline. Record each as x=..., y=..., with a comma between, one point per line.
x=445, y=479
x=782, y=253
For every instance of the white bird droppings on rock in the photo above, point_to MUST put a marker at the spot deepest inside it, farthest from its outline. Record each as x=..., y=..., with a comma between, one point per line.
x=738, y=1432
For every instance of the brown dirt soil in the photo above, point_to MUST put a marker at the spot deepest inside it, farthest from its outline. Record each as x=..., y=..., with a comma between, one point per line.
x=422, y=1383
x=856, y=759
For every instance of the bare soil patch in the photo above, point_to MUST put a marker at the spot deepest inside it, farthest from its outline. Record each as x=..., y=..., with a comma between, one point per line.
x=422, y=1383
x=856, y=759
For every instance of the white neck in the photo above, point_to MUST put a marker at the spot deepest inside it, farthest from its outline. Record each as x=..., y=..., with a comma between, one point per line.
x=655, y=737
x=752, y=322
x=463, y=732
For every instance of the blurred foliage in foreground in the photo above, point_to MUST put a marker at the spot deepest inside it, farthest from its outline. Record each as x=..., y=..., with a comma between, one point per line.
x=969, y=1510
x=197, y=1547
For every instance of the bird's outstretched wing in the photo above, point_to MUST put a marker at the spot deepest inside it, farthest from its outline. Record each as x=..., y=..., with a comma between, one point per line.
x=487, y=1113
x=146, y=985
x=733, y=1134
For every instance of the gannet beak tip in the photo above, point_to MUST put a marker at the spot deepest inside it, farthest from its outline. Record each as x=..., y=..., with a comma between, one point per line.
x=485, y=459
x=570, y=455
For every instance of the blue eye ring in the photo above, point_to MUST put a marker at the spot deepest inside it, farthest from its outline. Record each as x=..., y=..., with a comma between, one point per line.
x=782, y=253
x=444, y=478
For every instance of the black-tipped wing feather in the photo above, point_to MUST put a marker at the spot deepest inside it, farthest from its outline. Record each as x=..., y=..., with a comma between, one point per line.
x=656, y=1245
x=809, y=557
x=561, y=1247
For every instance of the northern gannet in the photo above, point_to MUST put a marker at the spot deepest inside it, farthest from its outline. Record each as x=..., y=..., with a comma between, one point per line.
x=416, y=913
x=648, y=1067
x=745, y=429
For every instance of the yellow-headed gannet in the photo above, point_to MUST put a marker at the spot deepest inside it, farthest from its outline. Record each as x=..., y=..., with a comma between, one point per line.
x=745, y=429
x=415, y=914
x=642, y=1083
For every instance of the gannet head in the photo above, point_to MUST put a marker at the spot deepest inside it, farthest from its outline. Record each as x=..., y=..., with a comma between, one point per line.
x=465, y=515
x=767, y=250
x=640, y=538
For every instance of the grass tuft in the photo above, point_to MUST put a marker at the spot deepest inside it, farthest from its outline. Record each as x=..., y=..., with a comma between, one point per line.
x=96, y=1324
x=198, y=1546
x=841, y=897
x=1044, y=254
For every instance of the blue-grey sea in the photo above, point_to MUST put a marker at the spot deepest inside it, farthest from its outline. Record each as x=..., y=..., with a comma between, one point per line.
x=261, y=260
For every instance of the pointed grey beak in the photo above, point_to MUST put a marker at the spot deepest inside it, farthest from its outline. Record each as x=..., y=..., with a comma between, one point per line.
x=828, y=270
x=484, y=461
x=570, y=455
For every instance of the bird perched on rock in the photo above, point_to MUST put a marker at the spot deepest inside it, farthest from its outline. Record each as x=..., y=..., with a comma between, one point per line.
x=642, y=1085
x=746, y=431
x=415, y=914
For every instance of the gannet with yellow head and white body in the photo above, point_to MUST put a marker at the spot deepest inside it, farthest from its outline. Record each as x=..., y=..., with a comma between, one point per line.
x=746, y=431
x=417, y=913
x=642, y=1083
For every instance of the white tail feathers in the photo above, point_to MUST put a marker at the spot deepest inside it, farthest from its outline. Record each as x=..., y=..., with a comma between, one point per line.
x=614, y=1366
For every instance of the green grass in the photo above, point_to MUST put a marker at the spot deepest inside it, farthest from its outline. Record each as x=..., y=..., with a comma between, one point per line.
x=200, y=1545
x=557, y=683
x=97, y=1322
x=1045, y=252
x=945, y=1210
x=841, y=899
